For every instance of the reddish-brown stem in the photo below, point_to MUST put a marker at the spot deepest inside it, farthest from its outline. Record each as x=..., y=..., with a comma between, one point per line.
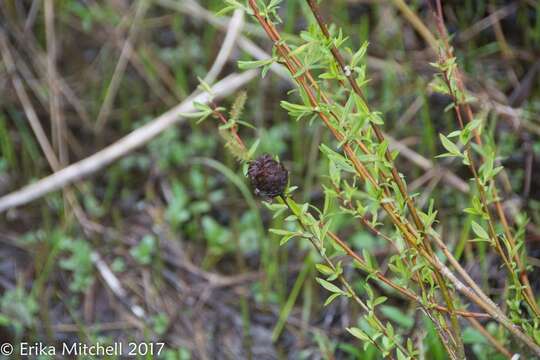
x=223, y=119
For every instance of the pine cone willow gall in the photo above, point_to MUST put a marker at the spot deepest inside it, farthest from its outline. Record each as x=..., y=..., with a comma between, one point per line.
x=267, y=176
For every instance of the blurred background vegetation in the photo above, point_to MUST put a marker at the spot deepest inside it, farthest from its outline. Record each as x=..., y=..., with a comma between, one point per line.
x=175, y=221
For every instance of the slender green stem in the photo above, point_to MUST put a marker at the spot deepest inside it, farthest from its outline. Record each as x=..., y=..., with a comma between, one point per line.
x=343, y=280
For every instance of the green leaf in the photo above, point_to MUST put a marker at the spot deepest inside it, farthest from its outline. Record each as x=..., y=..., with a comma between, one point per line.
x=232, y=5
x=203, y=85
x=281, y=232
x=331, y=298
x=371, y=266
x=253, y=148
x=296, y=110
x=348, y=108
x=254, y=64
x=479, y=231
x=324, y=269
x=144, y=250
x=329, y=286
x=454, y=133
x=449, y=145
x=295, y=208
x=286, y=238
x=359, y=334
x=299, y=49
x=376, y=118
x=379, y=300
x=339, y=160
x=359, y=54
x=225, y=10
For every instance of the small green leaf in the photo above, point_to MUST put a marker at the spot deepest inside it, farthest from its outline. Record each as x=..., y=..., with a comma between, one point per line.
x=324, y=269
x=246, y=65
x=359, y=54
x=376, y=118
x=329, y=286
x=144, y=250
x=379, y=300
x=339, y=160
x=331, y=298
x=359, y=334
x=281, y=232
x=449, y=145
x=253, y=148
x=479, y=231
x=285, y=239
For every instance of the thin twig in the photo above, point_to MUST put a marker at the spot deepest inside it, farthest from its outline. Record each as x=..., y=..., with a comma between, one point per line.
x=114, y=284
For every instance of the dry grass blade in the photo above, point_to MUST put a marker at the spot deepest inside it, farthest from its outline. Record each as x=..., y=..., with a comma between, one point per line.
x=58, y=123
